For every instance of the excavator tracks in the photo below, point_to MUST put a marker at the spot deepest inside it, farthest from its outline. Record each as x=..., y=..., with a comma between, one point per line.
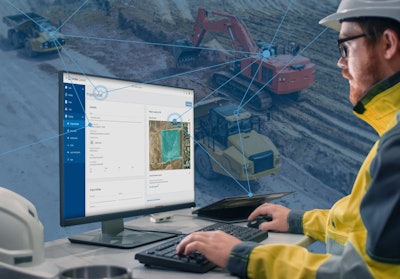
x=243, y=91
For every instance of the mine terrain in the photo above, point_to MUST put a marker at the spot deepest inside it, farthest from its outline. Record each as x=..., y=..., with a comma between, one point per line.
x=318, y=131
x=322, y=143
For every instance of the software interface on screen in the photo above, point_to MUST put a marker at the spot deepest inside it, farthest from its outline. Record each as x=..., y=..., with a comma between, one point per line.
x=126, y=146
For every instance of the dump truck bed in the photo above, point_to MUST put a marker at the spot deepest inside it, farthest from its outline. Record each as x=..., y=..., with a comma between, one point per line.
x=16, y=20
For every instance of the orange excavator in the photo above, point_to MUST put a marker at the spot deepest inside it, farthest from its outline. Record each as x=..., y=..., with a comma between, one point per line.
x=258, y=70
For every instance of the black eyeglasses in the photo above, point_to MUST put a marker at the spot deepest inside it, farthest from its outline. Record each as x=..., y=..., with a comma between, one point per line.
x=342, y=48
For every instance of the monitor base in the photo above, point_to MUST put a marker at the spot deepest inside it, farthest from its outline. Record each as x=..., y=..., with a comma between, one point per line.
x=125, y=239
x=114, y=234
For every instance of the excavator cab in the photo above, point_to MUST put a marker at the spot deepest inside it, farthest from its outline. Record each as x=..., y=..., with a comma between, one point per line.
x=267, y=47
x=228, y=120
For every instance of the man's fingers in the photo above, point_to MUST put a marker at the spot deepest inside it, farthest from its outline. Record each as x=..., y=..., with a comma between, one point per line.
x=190, y=243
x=268, y=226
x=263, y=209
x=214, y=245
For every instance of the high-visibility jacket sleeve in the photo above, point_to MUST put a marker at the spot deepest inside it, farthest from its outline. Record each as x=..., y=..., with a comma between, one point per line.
x=252, y=260
x=314, y=223
x=311, y=223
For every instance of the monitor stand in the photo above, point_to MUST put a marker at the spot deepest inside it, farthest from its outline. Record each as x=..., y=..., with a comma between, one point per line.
x=114, y=234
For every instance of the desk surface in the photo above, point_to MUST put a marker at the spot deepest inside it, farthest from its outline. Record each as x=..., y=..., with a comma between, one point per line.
x=66, y=255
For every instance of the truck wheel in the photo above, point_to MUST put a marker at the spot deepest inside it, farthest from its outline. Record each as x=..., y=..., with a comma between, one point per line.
x=203, y=164
x=28, y=50
x=14, y=39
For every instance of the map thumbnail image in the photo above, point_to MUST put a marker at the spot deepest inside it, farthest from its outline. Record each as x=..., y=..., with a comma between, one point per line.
x=169, y=145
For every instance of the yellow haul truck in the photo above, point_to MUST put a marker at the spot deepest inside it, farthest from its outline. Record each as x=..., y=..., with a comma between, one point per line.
x=34, y=33
x=228, y=144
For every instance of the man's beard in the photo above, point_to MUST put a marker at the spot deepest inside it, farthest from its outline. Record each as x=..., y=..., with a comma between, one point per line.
x=364, y=81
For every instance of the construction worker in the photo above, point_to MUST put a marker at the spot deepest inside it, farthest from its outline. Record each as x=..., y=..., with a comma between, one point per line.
x=361, y=230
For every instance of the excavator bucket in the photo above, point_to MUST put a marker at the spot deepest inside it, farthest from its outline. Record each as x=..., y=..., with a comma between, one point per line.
x=184, y=52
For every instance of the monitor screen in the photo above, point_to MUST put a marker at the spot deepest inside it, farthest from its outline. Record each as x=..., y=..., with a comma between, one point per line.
x=126, y=149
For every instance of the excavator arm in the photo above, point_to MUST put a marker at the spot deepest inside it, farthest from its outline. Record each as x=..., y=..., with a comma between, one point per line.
x=186, y=51
x=230, y=25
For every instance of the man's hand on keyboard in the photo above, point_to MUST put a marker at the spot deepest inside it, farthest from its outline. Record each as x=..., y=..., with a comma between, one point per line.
x=214, y=245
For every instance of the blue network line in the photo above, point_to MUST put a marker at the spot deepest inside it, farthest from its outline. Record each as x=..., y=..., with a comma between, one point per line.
x=242, y=147
x=72, y=15
x=185, y=73
x=152, y=43
x=287, y=64
x=168, y=77
x=282, y=20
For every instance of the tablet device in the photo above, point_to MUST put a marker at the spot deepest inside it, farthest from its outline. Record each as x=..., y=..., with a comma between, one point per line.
x=235, y=209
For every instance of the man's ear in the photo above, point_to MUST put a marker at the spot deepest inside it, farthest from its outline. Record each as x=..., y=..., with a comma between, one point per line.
x=391, y=43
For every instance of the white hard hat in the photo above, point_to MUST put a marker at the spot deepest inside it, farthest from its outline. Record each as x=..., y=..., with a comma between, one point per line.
x=22, y=237
x=362, y=8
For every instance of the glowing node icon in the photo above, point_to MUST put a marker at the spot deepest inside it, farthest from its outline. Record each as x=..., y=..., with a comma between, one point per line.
x=100, y=93
x=175, y=120
x=266, y=53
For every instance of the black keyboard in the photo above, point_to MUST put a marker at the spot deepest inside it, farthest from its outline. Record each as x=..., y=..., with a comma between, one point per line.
x=164, y=255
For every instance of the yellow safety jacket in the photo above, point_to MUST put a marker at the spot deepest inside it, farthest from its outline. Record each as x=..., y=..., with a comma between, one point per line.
x=361, y=230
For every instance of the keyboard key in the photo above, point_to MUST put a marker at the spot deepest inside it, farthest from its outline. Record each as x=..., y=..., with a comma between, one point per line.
x=164, y=255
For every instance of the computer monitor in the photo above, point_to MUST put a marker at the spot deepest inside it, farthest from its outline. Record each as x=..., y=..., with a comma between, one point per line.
x=126, y=149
